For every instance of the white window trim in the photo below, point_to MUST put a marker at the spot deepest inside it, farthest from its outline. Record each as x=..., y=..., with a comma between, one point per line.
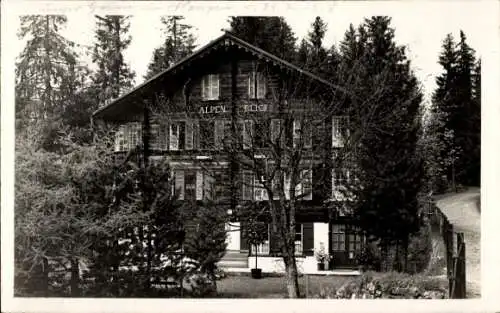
x=337, y=140
x=257, y=85
x=211, y=79
x=174, y=139
x=259, y=191
x=337, y=189
x=301, y=242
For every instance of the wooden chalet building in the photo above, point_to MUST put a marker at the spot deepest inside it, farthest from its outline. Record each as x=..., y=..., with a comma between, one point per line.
x=225, y=80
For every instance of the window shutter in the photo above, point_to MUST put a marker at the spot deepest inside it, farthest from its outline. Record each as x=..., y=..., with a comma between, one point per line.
x=182, y=134
x=261, y=86
x=179, y=184
x=189, y=135
x=204, y=87
x=251, y=85
x=208, y=185
x=307, y=184
x=296, y=133
x=308, y=239
x=120, y=138
x=214, y=85
x=196, y=135
x=199, y=185
x=174, y=137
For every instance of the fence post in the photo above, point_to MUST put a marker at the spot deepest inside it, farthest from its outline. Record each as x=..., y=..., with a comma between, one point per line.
x=460, y=284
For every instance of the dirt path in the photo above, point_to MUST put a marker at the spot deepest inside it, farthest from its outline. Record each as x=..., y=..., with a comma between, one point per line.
x=463, y=211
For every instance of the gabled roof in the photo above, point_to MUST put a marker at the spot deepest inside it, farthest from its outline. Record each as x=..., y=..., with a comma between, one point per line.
x=227, y=38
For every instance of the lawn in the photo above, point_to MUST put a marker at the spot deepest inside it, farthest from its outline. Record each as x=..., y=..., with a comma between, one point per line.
x=273, y=287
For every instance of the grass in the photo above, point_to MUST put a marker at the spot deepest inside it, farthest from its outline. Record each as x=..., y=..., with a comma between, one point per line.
x=273, y=287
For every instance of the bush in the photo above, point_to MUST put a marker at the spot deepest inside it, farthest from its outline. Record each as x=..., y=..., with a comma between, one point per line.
x=420, y=250
x=372, y=285
x=370, y=257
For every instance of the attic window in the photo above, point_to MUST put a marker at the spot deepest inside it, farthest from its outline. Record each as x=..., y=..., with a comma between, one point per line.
x=210, y=87
x=256, y=85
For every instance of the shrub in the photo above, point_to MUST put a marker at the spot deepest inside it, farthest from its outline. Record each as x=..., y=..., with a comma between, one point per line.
x=388, y=285
x=420, y=250
x=370, y=257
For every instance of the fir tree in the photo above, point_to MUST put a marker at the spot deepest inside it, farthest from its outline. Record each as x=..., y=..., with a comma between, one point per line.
x=113, y=76
x=47, y=70
x=179, y=43
x=272, y=34
x=387, y=166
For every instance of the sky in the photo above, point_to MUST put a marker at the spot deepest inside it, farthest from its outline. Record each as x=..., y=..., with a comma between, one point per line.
x=420, y=27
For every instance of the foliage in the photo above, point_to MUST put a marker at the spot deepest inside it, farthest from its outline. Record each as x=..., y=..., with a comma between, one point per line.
x=322, y=256
x=47, y=72
x=388, y=285
x=420, y=250
x=383, y=143
x=113, y=76
x=179, y=43
x=369, y=257
x=279, y=38
x=457, y=104
x=206, y=243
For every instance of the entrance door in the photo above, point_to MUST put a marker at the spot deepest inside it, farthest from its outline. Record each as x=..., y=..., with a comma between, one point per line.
x=345, y=243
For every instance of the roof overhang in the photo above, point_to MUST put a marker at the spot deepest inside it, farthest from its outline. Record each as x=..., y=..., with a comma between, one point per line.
x=132, y=101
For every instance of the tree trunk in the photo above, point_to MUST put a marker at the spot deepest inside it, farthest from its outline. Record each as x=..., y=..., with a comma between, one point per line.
x=75, y=278
x=292, y=277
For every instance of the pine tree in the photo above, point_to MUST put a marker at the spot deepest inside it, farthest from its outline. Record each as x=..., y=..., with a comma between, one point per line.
x=454, y=101
x=113, y=76
x=47, y=70
x=463, y=125
x=388, y=168
x=179, y=43
x=272, y=34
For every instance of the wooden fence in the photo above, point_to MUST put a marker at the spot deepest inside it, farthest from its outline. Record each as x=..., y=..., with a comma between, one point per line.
x=455, y=252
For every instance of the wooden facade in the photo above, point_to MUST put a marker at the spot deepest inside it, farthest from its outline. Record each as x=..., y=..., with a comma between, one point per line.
x=184, y=121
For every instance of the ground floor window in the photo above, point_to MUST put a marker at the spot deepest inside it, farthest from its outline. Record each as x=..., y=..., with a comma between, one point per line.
x=346, y=241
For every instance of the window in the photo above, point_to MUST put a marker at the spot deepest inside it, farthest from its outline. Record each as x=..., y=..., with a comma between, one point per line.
x=338, y=237
x=128, y=136
x=190, y=185
x=206, y=135
x=204, y=185
x=340, y=180
x=297, y=132
x=180, y=177
x=158, y=139
x=210, y=87
x=260, y=192
x=299, y=235
x=355, y=241
x=176, y=136
x=256, y=85
x=248, y=134
x=340, y=130
x=222, y=132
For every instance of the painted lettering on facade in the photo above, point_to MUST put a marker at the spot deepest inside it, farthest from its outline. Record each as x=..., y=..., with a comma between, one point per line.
x=216, y=109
